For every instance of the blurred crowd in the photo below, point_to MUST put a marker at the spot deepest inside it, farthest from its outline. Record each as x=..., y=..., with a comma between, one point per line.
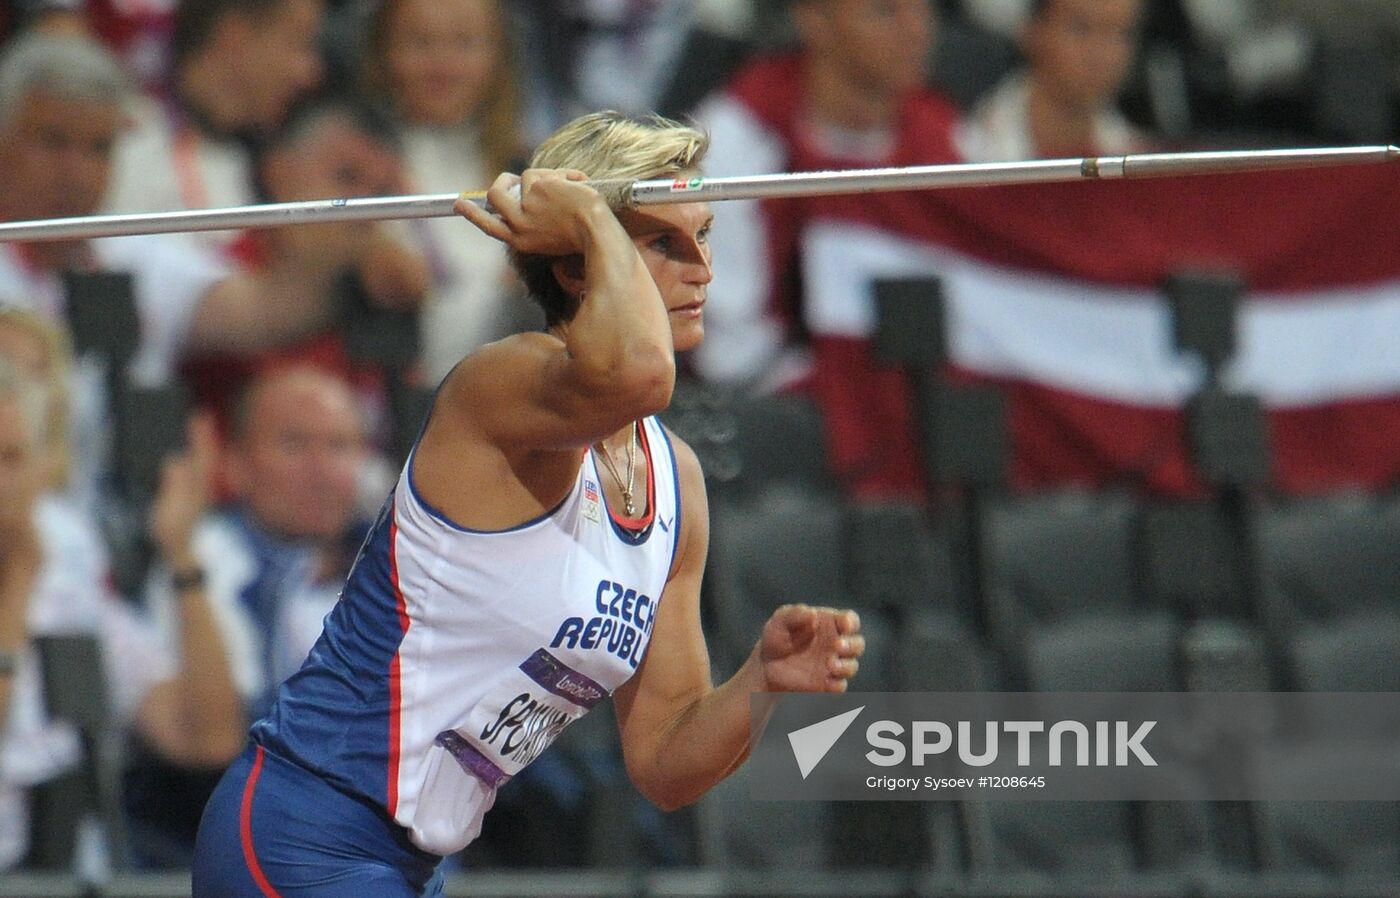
x=195, y=428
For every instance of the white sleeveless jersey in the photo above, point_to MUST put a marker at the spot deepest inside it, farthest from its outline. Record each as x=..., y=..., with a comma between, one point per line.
x=455, y=657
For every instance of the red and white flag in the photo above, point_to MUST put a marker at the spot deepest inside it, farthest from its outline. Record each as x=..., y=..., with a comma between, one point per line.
x=1054, y=292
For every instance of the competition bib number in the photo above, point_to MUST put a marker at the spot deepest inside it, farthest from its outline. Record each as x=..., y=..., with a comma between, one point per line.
x=520, y=717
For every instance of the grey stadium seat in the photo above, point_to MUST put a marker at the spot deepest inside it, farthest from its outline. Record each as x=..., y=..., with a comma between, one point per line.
x=75, y=690
x=931, y=652
x=1339, y=838
x=1105, y=654
x=1328, y=558
x=1360, y=653
x=1192, y=560
x=782, y=545
x=936, y=653
x=897, y=559
x=1055, y=557
x=1053, y=837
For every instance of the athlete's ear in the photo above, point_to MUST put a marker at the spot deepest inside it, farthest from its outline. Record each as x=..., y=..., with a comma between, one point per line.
x=568, y=271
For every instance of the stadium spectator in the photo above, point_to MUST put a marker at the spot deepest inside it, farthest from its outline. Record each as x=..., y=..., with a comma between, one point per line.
x=325, y=149
x=138, y=33
x=1003, y=17
x=237, y=66
x=1290, y=67
x=277, y=555
x=275, y=558
x=61, y=106
x=53, y=581
x=339, y=149
x=852, y=96
x=1061, y=104
x=444, y=70
x=55, y=16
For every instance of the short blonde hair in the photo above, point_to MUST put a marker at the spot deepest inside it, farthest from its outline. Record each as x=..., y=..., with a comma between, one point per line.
x=607, y=146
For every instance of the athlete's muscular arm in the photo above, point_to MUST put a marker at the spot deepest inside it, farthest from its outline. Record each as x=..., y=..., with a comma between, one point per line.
x=615, y=362
x=680, y=733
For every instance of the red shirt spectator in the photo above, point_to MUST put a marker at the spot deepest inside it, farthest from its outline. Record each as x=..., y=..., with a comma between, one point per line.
x=853, y=97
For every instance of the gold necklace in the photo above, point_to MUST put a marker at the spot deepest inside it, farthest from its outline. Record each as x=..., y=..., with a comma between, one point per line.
x=626, y=488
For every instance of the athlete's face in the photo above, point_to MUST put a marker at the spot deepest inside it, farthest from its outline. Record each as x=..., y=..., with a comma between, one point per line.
x=297, y=465
x=674, y=242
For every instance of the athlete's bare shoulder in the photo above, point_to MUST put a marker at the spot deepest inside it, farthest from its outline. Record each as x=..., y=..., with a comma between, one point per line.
x=498, y=370
x=514, y=349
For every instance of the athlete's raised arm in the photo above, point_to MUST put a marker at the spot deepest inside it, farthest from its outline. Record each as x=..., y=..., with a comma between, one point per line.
x=611, y=364
x=680, y=733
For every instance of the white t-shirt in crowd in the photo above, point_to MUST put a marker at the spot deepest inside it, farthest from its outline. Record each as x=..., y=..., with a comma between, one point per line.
x=164, y=165
x=999, y=128
x=266, y=637
x=473, y=299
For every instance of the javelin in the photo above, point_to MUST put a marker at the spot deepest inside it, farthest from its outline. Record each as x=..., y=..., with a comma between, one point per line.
x=630, y=194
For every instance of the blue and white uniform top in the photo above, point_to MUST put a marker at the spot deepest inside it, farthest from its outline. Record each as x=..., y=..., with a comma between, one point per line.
x=456, y=656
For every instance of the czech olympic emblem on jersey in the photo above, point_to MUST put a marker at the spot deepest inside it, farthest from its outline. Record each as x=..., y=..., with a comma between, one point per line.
x=589, y=507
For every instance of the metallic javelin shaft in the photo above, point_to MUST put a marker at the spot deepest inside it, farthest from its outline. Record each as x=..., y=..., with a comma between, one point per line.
x=646, y=193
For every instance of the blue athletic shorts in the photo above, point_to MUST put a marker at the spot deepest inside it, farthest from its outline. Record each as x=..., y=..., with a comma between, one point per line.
x=273, y=828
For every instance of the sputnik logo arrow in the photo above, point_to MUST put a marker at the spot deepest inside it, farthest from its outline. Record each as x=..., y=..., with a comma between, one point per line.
x=811, y=743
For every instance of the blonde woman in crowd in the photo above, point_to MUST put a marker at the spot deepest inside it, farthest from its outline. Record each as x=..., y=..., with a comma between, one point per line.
x=443, y=69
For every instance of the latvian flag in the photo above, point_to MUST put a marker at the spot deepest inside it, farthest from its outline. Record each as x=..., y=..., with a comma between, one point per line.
x=1053, y=292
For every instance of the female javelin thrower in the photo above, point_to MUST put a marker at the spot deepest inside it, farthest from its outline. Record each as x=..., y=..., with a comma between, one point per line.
x=542, y=550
